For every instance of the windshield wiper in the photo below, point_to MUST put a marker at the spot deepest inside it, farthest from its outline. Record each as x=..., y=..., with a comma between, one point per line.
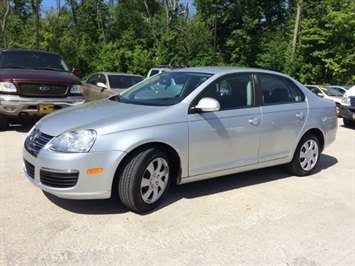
x=48, y=68
x=115, y=98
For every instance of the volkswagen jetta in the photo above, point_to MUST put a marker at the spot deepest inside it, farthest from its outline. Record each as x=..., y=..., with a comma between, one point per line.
x=176, y=127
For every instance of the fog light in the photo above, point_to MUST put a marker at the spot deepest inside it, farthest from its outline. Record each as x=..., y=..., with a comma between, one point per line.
x=94, y=171
x=10, y=108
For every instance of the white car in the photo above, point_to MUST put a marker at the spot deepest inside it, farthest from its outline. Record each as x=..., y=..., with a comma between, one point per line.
x=327, y=93
x=347, y=107
x=157, y=70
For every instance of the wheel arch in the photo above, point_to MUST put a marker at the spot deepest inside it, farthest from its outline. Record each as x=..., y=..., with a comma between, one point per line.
x=319, y=134
x=175, y=161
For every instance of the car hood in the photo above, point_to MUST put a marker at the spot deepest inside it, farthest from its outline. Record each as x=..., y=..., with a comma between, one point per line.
x=334, y=98
x=107, y=116
x=14, y=75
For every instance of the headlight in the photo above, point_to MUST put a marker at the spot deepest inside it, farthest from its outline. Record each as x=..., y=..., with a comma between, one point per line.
x=74, y=141
x=7, y=87
x=75, y=89
x=345, y=100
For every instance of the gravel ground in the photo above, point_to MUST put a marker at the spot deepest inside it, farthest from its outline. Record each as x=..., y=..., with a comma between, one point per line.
x=264, y=217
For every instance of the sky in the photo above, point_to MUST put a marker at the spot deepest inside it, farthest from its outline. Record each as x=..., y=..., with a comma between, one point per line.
x=49, y=3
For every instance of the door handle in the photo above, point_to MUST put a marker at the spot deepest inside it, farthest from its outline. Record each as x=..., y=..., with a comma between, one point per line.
x=254, y=121
x=300, y=116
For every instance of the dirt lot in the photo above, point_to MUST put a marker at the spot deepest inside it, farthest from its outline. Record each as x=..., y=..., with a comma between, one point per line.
x=265, y=217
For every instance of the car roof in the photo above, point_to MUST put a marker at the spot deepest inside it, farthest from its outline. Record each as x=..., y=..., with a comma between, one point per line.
x=226, y=70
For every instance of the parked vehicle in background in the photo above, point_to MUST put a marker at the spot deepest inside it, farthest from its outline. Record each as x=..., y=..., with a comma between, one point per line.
x=108, y=83
x=347, y=107
x=340, y=89
x=180, y=126
x=35, y=83
x=327, y=93
x=157, y=69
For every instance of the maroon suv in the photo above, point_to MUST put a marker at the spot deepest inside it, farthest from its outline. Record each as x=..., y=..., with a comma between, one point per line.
x=35, y=83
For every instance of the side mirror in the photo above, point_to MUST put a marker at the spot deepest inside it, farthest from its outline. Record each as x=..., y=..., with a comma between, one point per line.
x=320, y=95
x=76, y=71
x=207, y=104
x=102, y=86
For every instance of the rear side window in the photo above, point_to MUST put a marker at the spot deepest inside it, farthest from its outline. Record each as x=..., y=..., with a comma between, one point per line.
x=277, y=90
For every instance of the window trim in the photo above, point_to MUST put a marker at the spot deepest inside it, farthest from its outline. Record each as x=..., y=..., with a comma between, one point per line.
x=255, y=92
x=287, y=81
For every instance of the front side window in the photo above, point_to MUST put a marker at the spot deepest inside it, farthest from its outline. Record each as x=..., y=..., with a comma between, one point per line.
x=277, y=90
x=93, y=79
x=168, y=88
x=102, y=78
x=233, y=91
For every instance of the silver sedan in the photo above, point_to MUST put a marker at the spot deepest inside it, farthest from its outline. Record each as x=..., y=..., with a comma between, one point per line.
x=178, y=127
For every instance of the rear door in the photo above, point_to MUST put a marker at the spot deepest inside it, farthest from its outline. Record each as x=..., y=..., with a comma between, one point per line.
x=284, y=113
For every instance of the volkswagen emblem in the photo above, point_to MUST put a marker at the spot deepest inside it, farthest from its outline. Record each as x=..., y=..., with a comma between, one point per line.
x=44, y=88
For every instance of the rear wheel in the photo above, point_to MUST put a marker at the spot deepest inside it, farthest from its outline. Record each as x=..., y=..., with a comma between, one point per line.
x=348, y=123
x=145, y=179
x=306, y=156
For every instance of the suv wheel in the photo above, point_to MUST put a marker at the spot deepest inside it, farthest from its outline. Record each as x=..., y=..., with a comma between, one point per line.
x=348, y=123
x=4, y=123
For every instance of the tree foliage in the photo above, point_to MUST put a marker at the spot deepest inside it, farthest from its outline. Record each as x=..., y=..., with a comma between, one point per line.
x=133, y=35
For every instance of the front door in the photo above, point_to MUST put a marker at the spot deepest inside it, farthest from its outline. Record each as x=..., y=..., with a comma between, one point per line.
x=228, y=138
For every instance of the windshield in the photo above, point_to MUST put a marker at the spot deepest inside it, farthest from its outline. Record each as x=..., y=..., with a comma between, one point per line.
x=164, y=89
x=331, y=92
x=32, y=60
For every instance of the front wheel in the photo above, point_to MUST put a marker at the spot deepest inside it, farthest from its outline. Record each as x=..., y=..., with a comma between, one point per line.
x=306, y=156
x=145, y=179
x=337, y=110
x=4, y=123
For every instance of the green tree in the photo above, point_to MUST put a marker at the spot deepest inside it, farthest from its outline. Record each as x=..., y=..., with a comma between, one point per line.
x=327, y=42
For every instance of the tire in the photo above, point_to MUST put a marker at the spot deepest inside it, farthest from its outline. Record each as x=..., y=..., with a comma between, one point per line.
x=348, y=123
x=4, y=123
x=144, y=180
x=306, y=156
x=337, y=110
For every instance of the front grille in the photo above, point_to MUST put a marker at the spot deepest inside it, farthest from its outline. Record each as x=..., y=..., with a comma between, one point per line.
x=43, y=90
x=30, y=169
x=59, y=179
x=35, y=141
x=352, y=101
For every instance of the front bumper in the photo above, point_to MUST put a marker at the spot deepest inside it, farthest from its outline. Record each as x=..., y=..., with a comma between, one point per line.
x=15, y=106
x=65, y=174
x=347, y=112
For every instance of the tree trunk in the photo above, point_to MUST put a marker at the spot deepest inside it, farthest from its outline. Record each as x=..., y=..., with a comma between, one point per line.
x=150, y=20
x=4, y=20
x=295, y=36
x=73, y=10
